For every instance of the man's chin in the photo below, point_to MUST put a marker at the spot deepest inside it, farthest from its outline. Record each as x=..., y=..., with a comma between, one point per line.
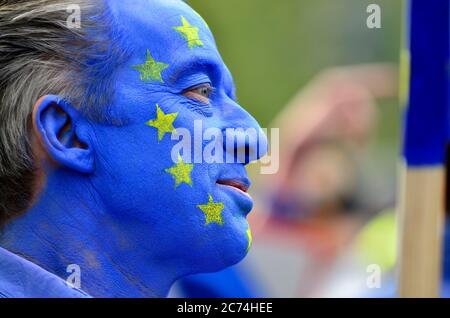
x=233, y=249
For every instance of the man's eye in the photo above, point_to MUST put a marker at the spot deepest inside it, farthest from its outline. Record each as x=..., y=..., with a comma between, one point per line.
x=199, y=93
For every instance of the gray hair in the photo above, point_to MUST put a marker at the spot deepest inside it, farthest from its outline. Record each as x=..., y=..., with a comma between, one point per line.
x=41, y=54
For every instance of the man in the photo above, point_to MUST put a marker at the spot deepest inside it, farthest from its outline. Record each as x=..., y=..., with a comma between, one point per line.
x=94, y=185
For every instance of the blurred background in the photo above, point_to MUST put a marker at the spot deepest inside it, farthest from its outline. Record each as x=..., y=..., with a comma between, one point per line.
x=316, y=71
x=278, y=47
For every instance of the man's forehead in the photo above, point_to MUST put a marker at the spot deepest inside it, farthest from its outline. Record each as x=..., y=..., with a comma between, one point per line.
x=163, y=24
x=149, y=9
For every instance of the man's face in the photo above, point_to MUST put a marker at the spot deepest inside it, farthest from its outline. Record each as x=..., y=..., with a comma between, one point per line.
x=175, y=77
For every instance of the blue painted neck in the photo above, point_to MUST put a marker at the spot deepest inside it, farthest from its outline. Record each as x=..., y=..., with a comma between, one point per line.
x=69, y=225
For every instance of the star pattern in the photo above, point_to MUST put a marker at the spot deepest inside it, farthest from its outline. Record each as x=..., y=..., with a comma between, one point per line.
x=163, y=122
x=189, y=33
x=250, y=239
x=151, y=70
x=181, y=172
x=213, y=211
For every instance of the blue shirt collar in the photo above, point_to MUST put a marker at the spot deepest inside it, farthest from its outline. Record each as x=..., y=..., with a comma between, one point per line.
x=20, y=278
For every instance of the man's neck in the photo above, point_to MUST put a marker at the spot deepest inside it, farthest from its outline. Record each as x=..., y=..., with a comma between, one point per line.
x=69, y=225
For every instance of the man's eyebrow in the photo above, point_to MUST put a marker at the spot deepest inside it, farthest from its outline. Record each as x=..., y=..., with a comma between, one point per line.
x=196, y=64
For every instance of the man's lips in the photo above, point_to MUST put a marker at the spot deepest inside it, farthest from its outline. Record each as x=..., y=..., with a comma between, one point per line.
x=237, y=188
x=237, y=184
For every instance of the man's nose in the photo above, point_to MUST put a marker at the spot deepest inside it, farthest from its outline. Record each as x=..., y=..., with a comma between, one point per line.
x=244, y=140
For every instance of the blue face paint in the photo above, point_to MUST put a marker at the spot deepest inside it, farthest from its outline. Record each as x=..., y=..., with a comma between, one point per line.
x=125, y=211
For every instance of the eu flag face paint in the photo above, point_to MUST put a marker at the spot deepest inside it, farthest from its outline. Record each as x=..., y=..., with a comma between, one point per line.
x=198, y=209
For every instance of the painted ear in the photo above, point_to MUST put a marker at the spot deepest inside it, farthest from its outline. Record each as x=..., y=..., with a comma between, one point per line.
x=62, y=132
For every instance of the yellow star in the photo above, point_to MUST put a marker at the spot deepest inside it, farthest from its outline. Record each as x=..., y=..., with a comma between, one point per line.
x=163, y=122
x=181, y=172
x=250, y=239
x=151, y=69
x=190, y=33
x=213, y=211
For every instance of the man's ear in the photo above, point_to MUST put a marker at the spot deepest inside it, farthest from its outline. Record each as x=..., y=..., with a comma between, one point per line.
x=62, y=131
